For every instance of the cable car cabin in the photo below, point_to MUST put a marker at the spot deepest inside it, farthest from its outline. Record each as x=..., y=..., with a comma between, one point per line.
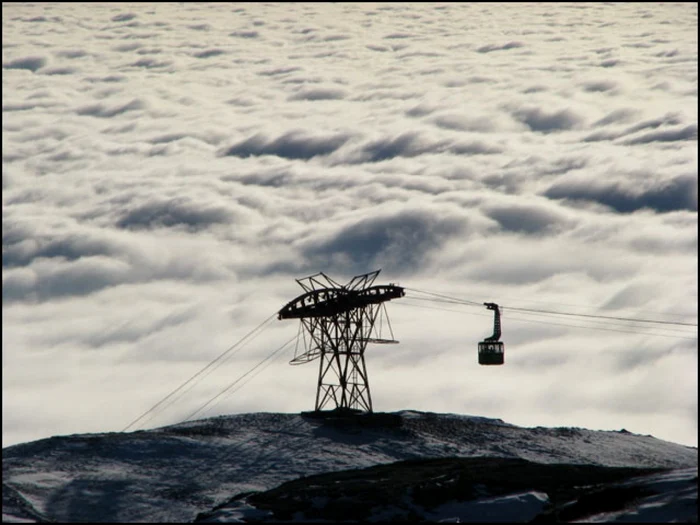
x=491, y=350
x=491, y=353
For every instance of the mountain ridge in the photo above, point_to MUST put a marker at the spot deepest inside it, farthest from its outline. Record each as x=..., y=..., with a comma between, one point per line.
x=176, y=472
x=416, y=490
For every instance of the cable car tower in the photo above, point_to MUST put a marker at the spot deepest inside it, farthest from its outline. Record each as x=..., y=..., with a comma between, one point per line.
x=340, y=320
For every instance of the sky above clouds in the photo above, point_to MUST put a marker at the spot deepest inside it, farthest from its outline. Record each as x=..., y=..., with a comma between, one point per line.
x=169, y=170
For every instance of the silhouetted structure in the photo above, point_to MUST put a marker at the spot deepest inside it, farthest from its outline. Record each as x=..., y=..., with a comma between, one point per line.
x=491, y=350
x=340, y=320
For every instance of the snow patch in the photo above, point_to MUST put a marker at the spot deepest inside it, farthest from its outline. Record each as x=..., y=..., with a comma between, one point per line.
x=513, y=508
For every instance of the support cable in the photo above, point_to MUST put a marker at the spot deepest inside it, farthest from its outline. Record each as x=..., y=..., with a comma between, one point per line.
x=209, y=366
x=464, y=301
x=603, y=317
x=404, y=303
x=472, y=303
x=607, y=323
x=230, y=386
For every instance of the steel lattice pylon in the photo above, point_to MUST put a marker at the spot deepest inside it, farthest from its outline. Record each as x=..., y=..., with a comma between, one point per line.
x=339, y=322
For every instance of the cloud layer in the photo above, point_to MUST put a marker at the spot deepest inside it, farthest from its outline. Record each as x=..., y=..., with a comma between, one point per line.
x=169, y=171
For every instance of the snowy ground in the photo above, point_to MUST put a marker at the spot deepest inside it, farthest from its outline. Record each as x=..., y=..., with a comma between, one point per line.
x=174, y=473
x=676, y=500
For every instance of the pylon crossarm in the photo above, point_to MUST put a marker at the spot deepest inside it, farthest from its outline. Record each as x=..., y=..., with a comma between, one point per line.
x=341, y=321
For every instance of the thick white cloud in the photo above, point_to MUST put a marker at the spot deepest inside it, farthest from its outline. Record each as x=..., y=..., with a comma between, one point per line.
x=169, y=170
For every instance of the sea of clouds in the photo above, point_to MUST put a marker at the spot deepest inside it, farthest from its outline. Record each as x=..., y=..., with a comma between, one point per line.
x=169, y=170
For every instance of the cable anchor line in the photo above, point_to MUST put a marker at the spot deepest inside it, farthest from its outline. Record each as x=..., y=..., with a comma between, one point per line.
x=200, y=372
x=234, y=383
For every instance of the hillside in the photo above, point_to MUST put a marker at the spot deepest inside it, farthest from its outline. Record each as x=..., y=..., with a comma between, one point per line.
x=183, y=471
x=479, y=490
